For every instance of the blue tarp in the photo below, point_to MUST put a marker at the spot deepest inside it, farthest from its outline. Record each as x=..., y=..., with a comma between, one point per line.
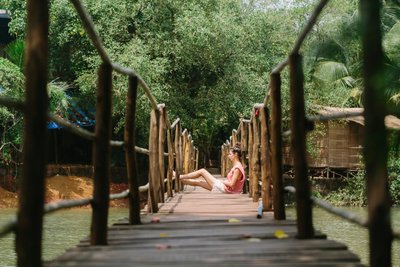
x=76, y=116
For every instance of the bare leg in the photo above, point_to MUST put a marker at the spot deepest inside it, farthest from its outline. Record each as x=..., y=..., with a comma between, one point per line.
x=196, y=182
x=199, y=173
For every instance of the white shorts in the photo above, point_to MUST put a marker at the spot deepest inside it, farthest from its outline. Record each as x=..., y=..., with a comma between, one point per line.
x=218, y=187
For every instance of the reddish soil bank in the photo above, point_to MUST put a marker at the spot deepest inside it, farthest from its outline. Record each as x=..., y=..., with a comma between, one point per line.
x=65, y=187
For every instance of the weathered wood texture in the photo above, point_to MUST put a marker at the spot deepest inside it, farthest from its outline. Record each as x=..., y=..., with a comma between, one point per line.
x=154, y=173
x=255, y=158
x=297, y=126
x=178, y=155
x=130, y=153
x=161, y=148
x=243, y=143
x=375, y=139
x=194, y=230
x=276, y=149
x=102, y=156
x=30, y=215
x=265, y=157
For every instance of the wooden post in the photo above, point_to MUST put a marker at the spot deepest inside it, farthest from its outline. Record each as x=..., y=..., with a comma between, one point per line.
x=266, y=193
x=30, y=214
x=161, y=148
x=276, y=149
x=182, y=156
x=256, y=169
x=130, y=153
x=223, y=160
x=250, y=157
x=186, y=161
x=102, y=156
x=297, y=113
x=154, y=169
x=228, y=163
x=243, y=145
x=193, y=156
x=178, y=155
x=190, y=153
x=170, y=163
x=375, y=137
x=197, y=159
x=234, y=137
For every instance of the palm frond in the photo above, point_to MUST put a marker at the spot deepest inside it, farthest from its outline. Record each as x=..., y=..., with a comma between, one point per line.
x=391, y=43
x=15, y=52
x=329, y=72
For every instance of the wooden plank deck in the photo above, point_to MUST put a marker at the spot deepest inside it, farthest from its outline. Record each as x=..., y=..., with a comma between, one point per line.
x=199, y=228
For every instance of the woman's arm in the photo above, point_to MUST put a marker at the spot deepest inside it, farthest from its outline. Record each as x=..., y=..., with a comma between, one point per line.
x=235, y=178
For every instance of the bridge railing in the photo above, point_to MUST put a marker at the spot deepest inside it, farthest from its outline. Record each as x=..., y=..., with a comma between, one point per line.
x=182, y=155
x=261, y=141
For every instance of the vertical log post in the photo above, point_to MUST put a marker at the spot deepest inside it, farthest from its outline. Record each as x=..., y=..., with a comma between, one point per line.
x=375, y=138
x=228, y=163
x=178, y=155
x=186, y=161
x=30, y=213
x=256, y=156
x=170, y=163
x=223, y=161
x=161, y=148
x=276, y=149
x=250, y=157
x=190, y=142
x=194, y=157
x=197, y=159
x=130, y=153
x=234, y=137
x=266, y=193
x=297, y=113
x=154, y=167
x=243, y=145
x=102, y=157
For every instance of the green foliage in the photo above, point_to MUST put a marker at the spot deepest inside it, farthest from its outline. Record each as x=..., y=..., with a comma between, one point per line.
x=209, y=60
x=15, y=53
x=353, y=193
x=394, y=177
x=11, y=121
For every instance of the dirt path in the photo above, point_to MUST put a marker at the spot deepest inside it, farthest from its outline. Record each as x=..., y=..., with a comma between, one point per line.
x=64, y=187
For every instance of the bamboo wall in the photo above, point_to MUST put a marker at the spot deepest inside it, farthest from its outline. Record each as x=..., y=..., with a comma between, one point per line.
x=337, y=145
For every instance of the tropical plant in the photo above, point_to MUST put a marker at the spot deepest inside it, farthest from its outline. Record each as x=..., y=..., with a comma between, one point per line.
x=15, y=52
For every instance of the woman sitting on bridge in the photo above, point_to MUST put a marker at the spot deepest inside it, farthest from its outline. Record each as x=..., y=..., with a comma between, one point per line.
x=232, y=185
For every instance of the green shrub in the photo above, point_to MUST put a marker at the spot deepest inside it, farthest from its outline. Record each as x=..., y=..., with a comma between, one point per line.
x=353, y=193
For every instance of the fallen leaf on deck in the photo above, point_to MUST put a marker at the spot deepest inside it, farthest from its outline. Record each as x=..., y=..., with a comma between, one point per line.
x=280, y=234
x=164, y=235
x=234, y=220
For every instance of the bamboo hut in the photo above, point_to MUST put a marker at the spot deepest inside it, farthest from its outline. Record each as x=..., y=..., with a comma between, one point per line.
x=337, y=144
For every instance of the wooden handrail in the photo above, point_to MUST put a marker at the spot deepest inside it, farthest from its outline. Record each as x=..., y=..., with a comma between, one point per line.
x=12, y=103
x=310, y=23
x=9, y=227
x=98, y=44
x=36, y=61
x=335, y=116
x=349, y=216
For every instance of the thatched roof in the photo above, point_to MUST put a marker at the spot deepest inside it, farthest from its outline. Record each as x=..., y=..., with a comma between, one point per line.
x=391, y=121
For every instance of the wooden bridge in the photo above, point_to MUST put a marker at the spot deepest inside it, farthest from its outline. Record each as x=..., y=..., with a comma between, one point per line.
x=197, y=228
